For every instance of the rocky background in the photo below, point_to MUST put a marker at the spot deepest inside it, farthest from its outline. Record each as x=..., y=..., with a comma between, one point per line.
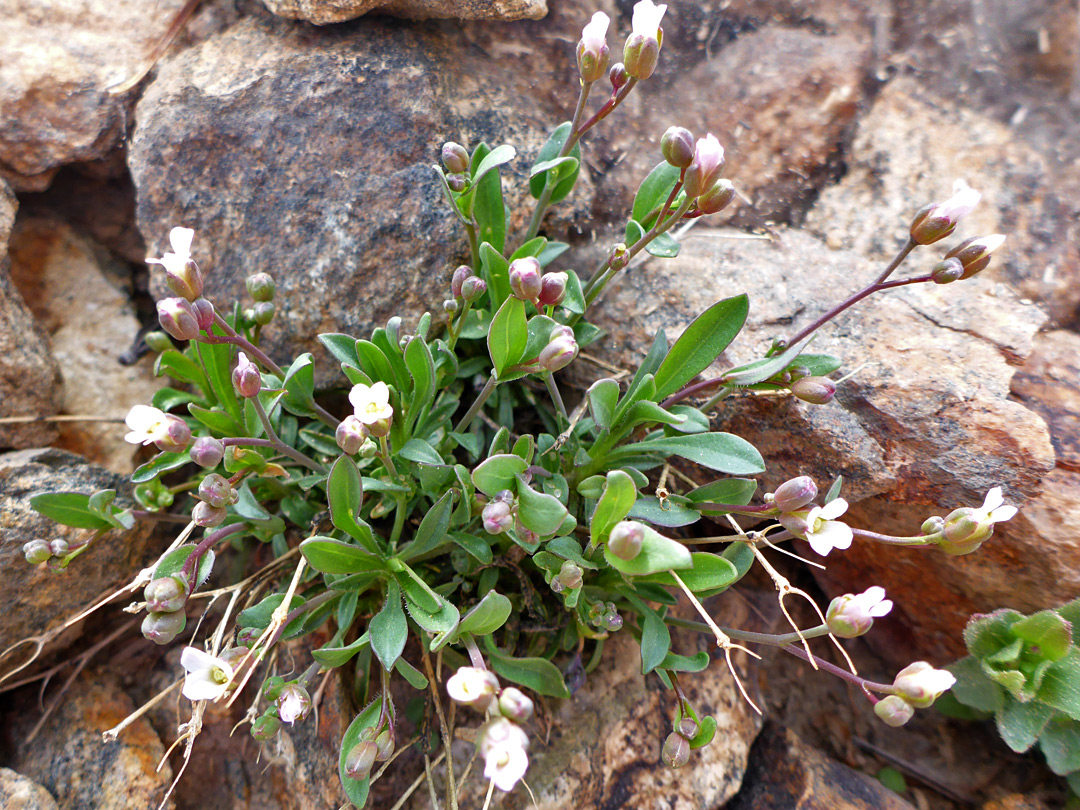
x=305, y=151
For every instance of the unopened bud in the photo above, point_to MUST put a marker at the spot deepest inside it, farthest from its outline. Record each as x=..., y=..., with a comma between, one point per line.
x=293, y=703
x=162, y=628
x=932, y=525
x=184, y=279
x=455, y=157
x=640, y=55
x=361, y=759
x=380, y=427
x=561, y=349
x=350, y=435
x=717, y=198
x=263, y=312
x=472, y=288
x=570, y=575
x=525, y=278
x=158, y=341
x=59, y=548
x=920, y=684
x=676, y=750
x=553, y=289
x=705, y=167
x=208, y=516
x=894, y=711
x=450, y=306
x=272, y=687
x=974, y=254
x=463, y=272
x=938, y=220
x=260, y=287
x=617, y=75
x=613, y=621
x=385, y=745
x=625, y=539
x=369, y=449
x=265, y=727
x=246, y=377
x=216, y=490
x=815, y=390
x=948, y=271
x=677, y=147
x=178, y=318
x=37, y=552
x=688, y=728
x=619, y=257
x=497, y=517
x=795, y=494
x=207, y=452
x=457, y=182
x=176, y=437
x=166, y=594
x=515, y=704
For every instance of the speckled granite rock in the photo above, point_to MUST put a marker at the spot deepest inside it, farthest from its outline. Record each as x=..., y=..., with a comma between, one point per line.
x=18, y=792
x=322, y=12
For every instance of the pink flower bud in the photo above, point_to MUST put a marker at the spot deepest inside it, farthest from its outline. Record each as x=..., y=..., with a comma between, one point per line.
x=515, y=704
x=37, y=552
x=642, y=48
x=265, y=727
x=216, y=490
x=525, y=278
x=175, y=435
x=974, y=254
x=850, y=616
x=625, y=539
x=717, y=198
x=705, y=168
x=472, y=288
x=261, y=287
x=947, y=271
x=350, y=435
x=553, y=289
x=178, y=318
x=497, y=517
x=263, y=312
x=894, y=710
x=815, y=390
x=795, y=494
x=246, y=377
x=617, y=75
x=561, y=349
x=162, y=628
x=361, y=759
x=455, y=157
x=570, y=575
x=677, y=147
x=165, y=594
x=463, y=272
x=938, y=220
x=676, y=750
x=592, y=50
x=207, y=452
x=920, y=684
x=208, y=516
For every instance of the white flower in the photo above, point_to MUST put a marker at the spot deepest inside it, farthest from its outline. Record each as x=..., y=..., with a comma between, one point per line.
x=920, y=684
x=994, y=509
x=147, y=424
x=472, y=686
x=823, y=532
x=849, y=615
x=207, y=677
x=176, y=262
x=960, y=204
x=503, y=744
x=293, y=703
x=371, y=403
x=646, y=19
x=594, y=34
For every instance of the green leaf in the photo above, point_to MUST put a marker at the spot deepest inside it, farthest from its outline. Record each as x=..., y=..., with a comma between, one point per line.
x=651, y=362
x=1060, y=743
x=987, y=635
x=299, y=385
x=508, y=336
x=374, y=362
x=69, y=509
x=487, y=616
x=614, y=505
x=765, y=368
x=333, y=657
x=658, y=553
x=338, y=557
x=709, y=575
x=1020, y=724
x=1061, y=685
x=498, y=472
x=491, y=159
x=706, y=732
x=341, y=347
x=422, y=368
x=1047, y=631
x=389, y=628
x=415, y=678
x=475, y=546
x=634, y=232
x=495, y=270
x=319, y=441
x=442, y=622
x=654, y=192
x=180, y=367
x=700, y=344
x=345, y=494
x=217, y=420
x=973, y=688
x=603, y=396
x=432, y=531
x=655, y=641
x=664, y=246
x=356, y=790
x=161, y=463
x=1070, y=612
x=541, y=174
x=737, y=491
x=646, y=412
x=173, y=563
x=537, y=674
x=574, y=298
x=834, y=490
x=540, y=513
x=259, y=616
x=421, y=452
x=488, y=206
x=723, y=452
x=671, y=515
x=698, y=662
x=217, y=360
x=165, y=399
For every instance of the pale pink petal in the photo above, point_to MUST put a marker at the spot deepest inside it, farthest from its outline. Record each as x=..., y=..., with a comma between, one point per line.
x=834, y=509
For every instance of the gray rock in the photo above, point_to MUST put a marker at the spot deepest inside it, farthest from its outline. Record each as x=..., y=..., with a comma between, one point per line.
x=18, y=792
x=322, y=12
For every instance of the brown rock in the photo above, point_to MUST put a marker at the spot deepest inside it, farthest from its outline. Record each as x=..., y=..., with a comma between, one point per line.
x=18, y=792
x=322, y=12
x=33, y=599
x=786, y=774
x=909, y=149
x=1049, y=384
x=29, y=375
x=70, y=760
x=60, y=58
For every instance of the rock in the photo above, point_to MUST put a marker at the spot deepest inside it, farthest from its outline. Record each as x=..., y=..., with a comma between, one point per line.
x=1049, y=384
x=322, y=12
x=33, y=599
x=926, y=423
x=73, y=291
x=29, y=375
x=18, y=792
x=70, y=760
x=60, y=58
x=786, y=774
x=347, y=215
x=909, y=149
x=604, y=749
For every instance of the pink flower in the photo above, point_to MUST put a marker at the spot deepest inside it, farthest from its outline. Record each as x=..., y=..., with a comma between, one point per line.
x=706, y=166
x=849, y=616
x=503, y=744
x=472, y=686
x=920, y=684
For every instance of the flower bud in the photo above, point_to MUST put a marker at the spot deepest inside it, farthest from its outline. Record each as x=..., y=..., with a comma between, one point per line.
x=617, y=75
x=933, y=525
x=938, y=220
x=974, y=254
x=795, y=494
x=920, y=684
x=176, y=435
x=561, y=349
x=216, y=490
x=208, y=516
x=272, y=687
x=59, y=548
x=850, y=616
x=236, y=657
x=619, y=257
x=815, y=390
x=385, y=745
x=263, y=312
x=37, y=552
x=178, y=318
x=497, y=517
x=247, y=636
x=688, y=728
x=457, y=182
x=265, y=727
x=158, y=341
x=450, y=306
x=204, y=313
x=717, y=198
x=593, y=54
x=361, y=759
x=184, y=279
x=553, y=289
x=260, y=286
x=350, y=435
x=525, y=278
x=570, y=575
x=463, y=272
x=705, y=167
x=246, y=377
x=515, y=704
x=676, y=750
x=369, y=449
x=455, y=157
x=894, y=710
x=207, y=452
x=948, y=271
x=161, y=628
x=613, y=621
x=293, y=703
x=380, y=427
x=677, y=147
x=472, y=288
x=166, y=594
x=625, y=539
x=640, y=55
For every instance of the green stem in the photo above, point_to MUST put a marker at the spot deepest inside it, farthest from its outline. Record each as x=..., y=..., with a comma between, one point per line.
x=453, y=333
x=231, y=336
x=889, y=540
x=399, y=520
x=279, y=445
x=556, y=397
x=862, y=683
x=478, y=403
x=384, y=454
